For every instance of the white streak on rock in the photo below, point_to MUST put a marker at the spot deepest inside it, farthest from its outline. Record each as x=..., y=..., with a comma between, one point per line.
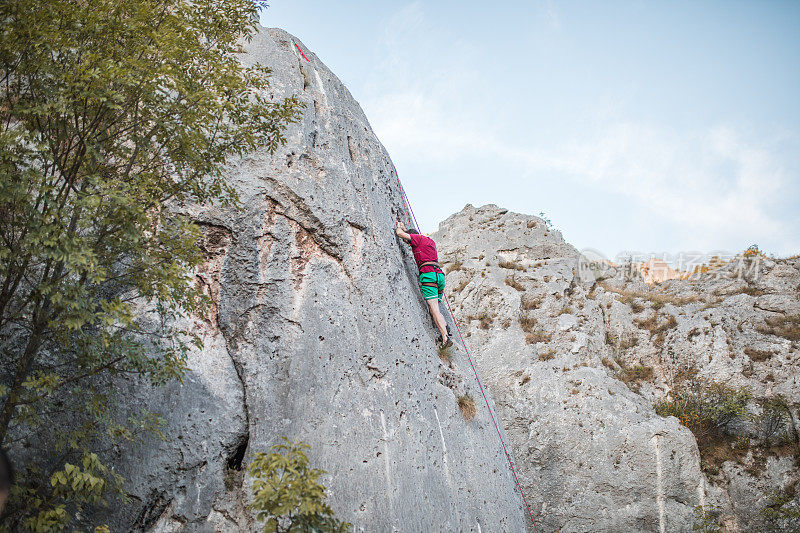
x=659, y=485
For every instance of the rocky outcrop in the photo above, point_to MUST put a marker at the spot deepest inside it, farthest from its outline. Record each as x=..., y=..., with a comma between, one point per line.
x=576, y=355
x=317, y=332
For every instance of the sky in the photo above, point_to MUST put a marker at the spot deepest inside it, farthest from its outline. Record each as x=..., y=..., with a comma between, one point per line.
x=634, y=126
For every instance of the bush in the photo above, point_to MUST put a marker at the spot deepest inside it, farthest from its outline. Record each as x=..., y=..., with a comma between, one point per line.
x=485, y=319
x=527, y=323
x=632, y=376
x=455, y=265
x=649, y=324
x=775, y=421
x=705, y=519
x=445, y=354
x=511, y=281
x=752, y=251
x=548, y=355
x=538, y=336
x=461, y=286
x=622, y=342
x=511, y=265
x=652, y=324
x=528, y=302
x=637, y=373
x=705, y=407
x=286, y=493
x=758, y=355
x=782, y=512
x=787, y=327
x=467, y=405
x=637, y=306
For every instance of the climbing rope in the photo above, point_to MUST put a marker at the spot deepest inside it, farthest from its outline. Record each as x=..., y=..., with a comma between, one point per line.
x=407, y=207
x=301, y=52
x=408, y=210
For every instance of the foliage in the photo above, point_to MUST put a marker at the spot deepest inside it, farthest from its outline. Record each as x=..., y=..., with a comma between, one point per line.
x=115, y=116
x=634, y=375
x=485, y=319
x=705, y=519
x=467, y=405
x=511, y=281
x=752, y=251
x=547, y=355
x=757, y=355
x=787, y=327
x=445, y=354
x=775, y=421
x=782, y=512
x=80, y=485
x=538, y=335
x=529, y=302
x=705, y=407
x=527, y=322
x=455, y=265
x=511, y=265
x=286, y=493
x=546, y=220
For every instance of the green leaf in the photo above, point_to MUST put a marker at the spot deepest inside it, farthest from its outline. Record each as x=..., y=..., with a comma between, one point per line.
x=113, y=113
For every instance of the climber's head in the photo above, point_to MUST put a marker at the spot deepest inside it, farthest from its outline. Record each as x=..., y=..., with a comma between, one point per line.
x=412, y=231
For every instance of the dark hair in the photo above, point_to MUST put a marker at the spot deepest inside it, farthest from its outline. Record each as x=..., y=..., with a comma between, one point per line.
x=412, y=231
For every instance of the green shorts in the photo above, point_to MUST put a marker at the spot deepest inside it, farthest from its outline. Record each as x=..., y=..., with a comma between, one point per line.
x=432, y=285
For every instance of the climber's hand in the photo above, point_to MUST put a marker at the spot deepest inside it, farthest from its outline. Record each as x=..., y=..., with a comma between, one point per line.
x=401, y=232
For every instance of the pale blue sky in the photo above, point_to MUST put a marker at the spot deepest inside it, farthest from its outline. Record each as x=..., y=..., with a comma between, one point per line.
x=656, y=127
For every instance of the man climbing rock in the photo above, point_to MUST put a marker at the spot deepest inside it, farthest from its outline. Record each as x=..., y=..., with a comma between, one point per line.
x=431, y=277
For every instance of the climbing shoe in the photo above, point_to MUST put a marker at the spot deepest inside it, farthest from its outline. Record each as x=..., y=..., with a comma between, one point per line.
x=448, y=344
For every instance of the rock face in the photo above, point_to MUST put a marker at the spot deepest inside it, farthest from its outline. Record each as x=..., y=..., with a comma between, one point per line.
x=318, y=332
x=576, y=363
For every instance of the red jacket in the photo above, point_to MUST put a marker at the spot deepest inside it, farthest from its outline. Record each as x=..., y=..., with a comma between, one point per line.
x=424, y=250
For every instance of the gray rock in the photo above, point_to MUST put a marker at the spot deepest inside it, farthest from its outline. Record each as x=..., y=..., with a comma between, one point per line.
x=318, y=333
x=554, y=342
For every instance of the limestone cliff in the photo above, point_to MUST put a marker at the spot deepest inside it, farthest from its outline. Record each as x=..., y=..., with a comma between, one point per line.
x=318, y=332
x=576, y=363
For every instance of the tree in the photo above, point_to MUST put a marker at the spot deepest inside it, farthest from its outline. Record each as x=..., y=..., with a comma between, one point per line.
x=114, y=116
x=286, y=494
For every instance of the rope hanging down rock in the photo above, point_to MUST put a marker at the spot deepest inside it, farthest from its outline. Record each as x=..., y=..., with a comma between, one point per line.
x=407, y=207
x=301, y=52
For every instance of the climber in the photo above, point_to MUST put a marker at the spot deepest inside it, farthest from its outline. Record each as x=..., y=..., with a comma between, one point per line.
x=431, y=277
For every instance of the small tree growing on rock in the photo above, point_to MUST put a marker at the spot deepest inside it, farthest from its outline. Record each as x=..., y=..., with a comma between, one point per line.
x=287, y=496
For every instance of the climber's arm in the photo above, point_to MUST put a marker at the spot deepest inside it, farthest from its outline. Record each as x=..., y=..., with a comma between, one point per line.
x=401, y=232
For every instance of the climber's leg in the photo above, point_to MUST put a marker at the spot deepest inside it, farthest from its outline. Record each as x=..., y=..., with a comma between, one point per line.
x=433, y=305
x=430, y=285
x=440, y=283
